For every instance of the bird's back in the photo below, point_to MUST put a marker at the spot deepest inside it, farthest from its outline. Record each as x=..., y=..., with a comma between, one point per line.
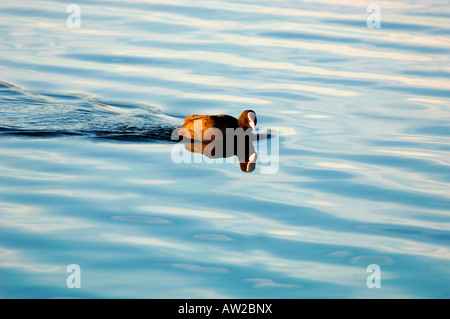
x=196, y=125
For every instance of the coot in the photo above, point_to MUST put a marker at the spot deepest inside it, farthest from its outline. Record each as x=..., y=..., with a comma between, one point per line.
x=195, y=126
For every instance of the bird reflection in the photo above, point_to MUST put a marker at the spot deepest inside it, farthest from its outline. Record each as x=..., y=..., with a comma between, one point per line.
x=242, y=149
x=221, y=136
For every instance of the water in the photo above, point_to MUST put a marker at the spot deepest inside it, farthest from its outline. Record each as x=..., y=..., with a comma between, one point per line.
x=88, y=177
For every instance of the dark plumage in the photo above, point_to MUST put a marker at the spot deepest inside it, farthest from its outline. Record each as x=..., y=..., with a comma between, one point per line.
x=194, y=126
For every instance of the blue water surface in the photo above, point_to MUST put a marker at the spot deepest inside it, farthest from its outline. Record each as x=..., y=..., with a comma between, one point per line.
x=360, y=175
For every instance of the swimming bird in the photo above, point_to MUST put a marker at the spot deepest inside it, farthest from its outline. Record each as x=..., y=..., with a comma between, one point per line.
x=195, y=126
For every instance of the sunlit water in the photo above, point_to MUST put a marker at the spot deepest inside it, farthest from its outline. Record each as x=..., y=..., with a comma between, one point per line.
x=363, y=169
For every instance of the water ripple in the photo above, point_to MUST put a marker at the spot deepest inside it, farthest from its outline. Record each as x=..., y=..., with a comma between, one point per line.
x=363, y=174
